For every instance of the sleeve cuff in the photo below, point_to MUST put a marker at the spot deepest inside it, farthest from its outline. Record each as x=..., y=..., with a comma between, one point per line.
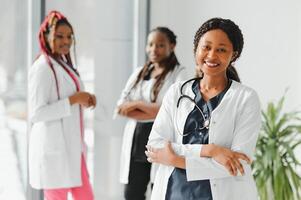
x=188, y=150
x=193, y=150
x=66, y=104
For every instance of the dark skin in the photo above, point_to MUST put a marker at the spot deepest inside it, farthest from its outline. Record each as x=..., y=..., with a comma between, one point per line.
x=84, y=99
x=226, y=157
x=139, y=110
x=60, y=42
x=158, y=48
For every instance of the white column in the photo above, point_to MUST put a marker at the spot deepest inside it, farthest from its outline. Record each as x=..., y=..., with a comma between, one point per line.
x=34, y=20
x=113, y=65
x=140, y=31
x=34, y=17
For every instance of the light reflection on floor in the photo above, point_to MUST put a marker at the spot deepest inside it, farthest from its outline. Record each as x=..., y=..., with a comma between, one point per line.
x=13, y=172
x=12, y=159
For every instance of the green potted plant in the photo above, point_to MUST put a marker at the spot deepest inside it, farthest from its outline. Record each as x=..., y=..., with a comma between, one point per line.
x=275, y=163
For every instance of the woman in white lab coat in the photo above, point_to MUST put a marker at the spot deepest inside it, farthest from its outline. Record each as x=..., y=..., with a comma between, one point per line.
x=205, y=133
x=56, y=100
x=139, y=102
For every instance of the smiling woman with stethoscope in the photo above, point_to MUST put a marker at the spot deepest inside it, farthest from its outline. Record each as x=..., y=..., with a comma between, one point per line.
x=206, y=130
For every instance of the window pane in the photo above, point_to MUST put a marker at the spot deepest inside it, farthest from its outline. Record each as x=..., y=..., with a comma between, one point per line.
x=13, y=171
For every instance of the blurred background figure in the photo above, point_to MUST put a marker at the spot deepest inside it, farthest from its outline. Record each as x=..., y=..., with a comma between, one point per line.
x=57, y=100
x=140, y=102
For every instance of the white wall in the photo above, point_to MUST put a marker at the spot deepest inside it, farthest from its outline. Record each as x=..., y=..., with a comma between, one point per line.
x=270, y=61
x=113, y=65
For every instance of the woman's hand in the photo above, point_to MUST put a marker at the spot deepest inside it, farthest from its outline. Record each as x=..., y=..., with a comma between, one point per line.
x=127, y=107
x=226, y=157
x=84, y=99
x=92, y=101
x=165, y=155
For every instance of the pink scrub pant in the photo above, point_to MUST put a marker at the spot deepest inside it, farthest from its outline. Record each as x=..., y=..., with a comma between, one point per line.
x=83, y=192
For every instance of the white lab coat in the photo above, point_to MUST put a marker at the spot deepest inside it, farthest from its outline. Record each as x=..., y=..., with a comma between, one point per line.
x=141, y=92
x=55, y=145
x=235, y=124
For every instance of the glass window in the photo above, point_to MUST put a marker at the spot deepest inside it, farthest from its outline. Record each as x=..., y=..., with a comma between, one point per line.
x=13, y=125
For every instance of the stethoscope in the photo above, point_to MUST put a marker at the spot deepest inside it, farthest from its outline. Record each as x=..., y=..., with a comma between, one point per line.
x=206, y=122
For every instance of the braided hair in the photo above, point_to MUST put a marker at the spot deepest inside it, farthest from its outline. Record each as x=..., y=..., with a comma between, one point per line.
x=53, y=20
x=234, y=34
x=169, y=64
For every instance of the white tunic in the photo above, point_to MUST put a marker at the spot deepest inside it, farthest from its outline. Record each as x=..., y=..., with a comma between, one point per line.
x=235, y=124
x=141, y=92
x=55, y=144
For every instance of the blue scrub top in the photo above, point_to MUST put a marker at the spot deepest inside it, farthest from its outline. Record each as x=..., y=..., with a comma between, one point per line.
x=178, y=187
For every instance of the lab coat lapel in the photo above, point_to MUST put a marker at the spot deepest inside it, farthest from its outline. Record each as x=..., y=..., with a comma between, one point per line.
x=63, y=73
x=81, y=85
x=215, y=115
x=227, y=97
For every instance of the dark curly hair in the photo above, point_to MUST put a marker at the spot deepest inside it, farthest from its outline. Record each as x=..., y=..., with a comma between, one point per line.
x=234, y=34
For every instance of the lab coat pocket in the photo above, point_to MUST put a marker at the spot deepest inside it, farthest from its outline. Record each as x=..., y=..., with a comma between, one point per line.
x=53, y=140
x=52, y=165
x=240, y=178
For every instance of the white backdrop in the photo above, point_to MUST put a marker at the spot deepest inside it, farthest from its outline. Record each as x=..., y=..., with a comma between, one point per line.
x=270, y=61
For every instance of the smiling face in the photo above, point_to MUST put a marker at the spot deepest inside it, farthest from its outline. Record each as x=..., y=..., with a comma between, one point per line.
x=214, y=53
x=158, y=47
x=61, y=40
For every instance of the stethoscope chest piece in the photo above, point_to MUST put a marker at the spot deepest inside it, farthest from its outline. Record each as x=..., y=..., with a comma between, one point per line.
x=206, y=123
